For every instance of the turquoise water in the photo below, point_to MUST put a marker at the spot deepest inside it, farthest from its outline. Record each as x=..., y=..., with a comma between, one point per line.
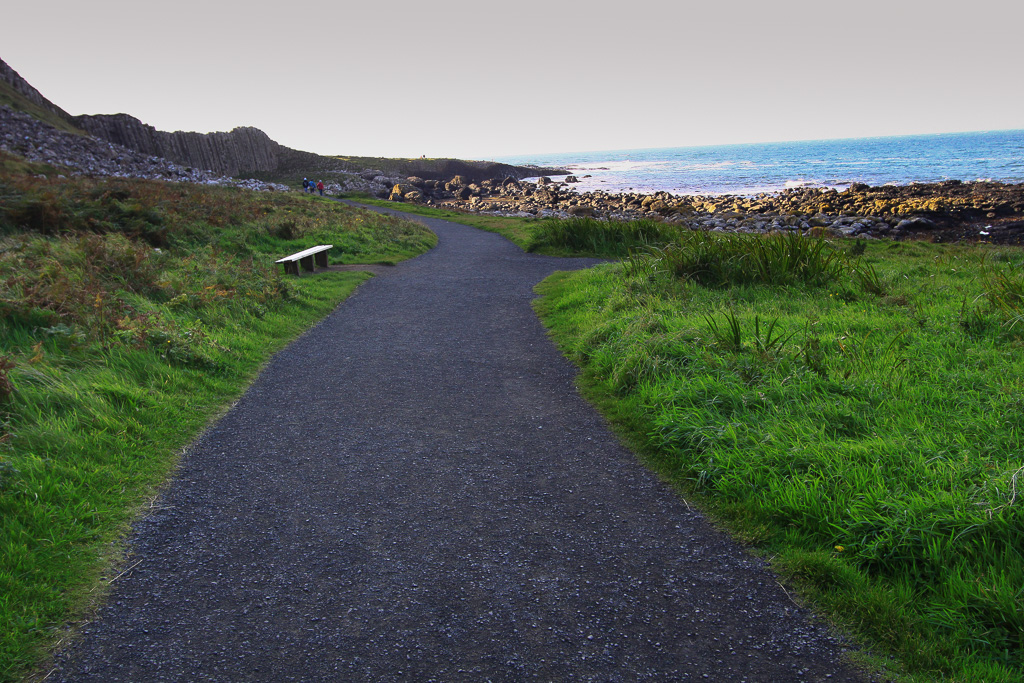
x=769, y=167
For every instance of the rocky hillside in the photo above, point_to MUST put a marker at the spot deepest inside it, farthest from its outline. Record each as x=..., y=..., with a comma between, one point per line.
x=240, y=152
x=77, y=153
x=18, y=94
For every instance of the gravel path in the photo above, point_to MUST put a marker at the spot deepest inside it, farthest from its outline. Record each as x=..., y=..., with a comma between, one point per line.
x=414, y=490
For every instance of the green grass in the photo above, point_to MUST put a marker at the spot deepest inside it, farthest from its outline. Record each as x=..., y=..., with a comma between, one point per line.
x=860, y=421
x=131, y=314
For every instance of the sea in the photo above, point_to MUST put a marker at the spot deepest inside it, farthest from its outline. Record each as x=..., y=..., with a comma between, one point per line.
x=750, y=169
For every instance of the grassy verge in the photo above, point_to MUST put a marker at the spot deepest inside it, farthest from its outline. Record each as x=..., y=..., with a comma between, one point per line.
x=131, y=313
x=856, y=415
x=519, y=231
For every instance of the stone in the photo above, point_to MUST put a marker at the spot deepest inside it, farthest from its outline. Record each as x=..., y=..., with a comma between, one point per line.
x=915, y=223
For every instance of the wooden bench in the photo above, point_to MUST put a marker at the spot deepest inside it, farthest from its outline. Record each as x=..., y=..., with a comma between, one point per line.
x=309, y=259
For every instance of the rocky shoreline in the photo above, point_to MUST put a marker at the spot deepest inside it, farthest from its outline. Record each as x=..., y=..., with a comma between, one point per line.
x=950, y=211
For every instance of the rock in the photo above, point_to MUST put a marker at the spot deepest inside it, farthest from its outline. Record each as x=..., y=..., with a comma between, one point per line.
x=571, y=179
x=915, y=223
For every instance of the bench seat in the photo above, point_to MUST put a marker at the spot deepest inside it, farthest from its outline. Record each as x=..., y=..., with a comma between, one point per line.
x=309, y=259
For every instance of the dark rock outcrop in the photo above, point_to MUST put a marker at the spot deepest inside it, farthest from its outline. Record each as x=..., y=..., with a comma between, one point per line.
x=241, y=151
x=77, y=154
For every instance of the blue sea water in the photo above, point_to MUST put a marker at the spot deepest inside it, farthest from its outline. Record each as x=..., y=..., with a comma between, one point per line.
x=750, y=169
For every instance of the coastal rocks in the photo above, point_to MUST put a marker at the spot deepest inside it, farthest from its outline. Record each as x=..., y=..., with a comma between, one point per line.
x=942, y=212
x=405, y=191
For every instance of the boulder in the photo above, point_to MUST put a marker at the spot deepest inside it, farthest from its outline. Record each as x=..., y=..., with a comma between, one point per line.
x=400, y=190
x=916, y=223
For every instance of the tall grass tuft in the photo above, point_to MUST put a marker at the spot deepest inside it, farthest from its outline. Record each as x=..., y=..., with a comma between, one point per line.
x=601, y=238
x=723, y=259
x=1005, y=288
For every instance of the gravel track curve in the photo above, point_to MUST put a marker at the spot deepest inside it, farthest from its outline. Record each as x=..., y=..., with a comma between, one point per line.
x=414, y=491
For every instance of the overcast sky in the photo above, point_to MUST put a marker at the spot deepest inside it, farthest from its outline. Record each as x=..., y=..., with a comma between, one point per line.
x=485, y=79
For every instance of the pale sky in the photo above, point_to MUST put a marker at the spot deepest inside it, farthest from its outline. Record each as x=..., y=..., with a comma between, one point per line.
x=486, y=79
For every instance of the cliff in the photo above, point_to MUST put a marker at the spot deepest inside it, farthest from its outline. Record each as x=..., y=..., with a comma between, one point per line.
x=243, y=150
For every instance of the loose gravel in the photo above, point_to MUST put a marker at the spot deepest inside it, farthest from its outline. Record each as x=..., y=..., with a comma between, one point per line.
x=414, y=491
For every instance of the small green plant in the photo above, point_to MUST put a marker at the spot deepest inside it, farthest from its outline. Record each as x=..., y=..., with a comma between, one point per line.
x=728, y=335
x=772, y=341
x=1005, y=288
x=868, y=279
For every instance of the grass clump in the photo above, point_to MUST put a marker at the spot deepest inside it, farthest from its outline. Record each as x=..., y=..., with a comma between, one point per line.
x=600, y=238
x=131, y=312
x=861, y=422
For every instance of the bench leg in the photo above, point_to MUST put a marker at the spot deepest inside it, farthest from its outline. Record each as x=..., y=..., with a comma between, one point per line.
x=291, y=268
x=307, y=263
x=321, y=259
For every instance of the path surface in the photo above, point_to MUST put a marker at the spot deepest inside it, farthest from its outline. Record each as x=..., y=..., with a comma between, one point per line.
x=414, y=490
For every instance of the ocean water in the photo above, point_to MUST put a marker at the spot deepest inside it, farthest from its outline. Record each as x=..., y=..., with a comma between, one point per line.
x=750, y=169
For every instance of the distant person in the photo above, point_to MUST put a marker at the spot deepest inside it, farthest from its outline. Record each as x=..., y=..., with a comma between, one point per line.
x=320, y=186
x=305, y=185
